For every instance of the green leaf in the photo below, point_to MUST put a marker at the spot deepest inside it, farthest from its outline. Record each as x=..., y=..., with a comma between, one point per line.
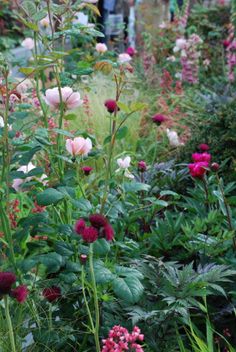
x=64, y=249
x=128, y=288
x=122, y=132
x=124, y=107
x=101, y=247
x=135, y=187
x=70, y=117
x=102, y=274
x=49, y=196
x=52, y=261
x=63, y=132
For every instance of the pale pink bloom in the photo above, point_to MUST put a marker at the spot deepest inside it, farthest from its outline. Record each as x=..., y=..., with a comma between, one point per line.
x=173, y=138
x=124, y=58
x=45, y=22
x=79, y=146
x=28, y=43
x=179, y=44
x=101, y=48
x=69, y=98
x=124, y=163
x=25, y=169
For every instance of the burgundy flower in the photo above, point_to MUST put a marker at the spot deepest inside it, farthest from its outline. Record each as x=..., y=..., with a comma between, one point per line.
x=142, y=166
x=86, y=170
x=198, y=157
x=111, y=105
x=83, y=258
x=20, y=293
x=80, y=226
x=226, y=43
x=108, y=232
x=90, y=234
x=7, y=279
x=98, y=220
x=130, y=51
x=215, y=166
x=204, y=147
x=52, y=293
x=198, y=169
x=158, y=119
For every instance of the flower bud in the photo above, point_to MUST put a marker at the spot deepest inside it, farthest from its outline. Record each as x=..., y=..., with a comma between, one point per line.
x=215, y=167
x=83, y=258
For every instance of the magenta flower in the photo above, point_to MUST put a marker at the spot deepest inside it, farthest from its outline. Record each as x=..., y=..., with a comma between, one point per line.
x=204, y=147
x=108, y=232
x=111, y=105
x=80, y=226
x=71, y=99
x=201, y=157
x=90, y=234
x=86, y=170
x=120, y=340
x=130, y=51
x=20, y=293
x=7, y=279
x=198, y=169
x=159, y=118
x=79, y=146
x=142, y=166
x=52, y=294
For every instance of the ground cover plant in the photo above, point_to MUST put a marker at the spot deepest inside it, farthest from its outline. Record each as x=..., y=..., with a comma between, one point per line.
x=117, y=196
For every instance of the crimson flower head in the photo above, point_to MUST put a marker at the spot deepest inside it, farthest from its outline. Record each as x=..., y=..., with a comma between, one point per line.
x=130, y=51
x=98, y=220
x=20, y=293
x=90, y=234
x=111, y=105
x=52, y=293
x=158, y=119
x=201, y=157
x=226, y=43
x=204, y=147
x=142, y=166
x=86, y=170
x=108, y=232
x=7, y=279
x=80, y=226
x=215, y=166
x=198, y=169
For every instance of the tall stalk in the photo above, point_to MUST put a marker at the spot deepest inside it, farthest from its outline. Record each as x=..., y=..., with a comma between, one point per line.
x=9, y=324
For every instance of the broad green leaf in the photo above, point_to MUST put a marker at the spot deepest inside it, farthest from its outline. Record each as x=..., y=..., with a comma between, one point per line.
x=128, y=288
x=49, y=196
x=101, y=246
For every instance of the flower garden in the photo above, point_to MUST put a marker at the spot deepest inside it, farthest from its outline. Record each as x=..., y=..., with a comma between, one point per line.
x=118, y=182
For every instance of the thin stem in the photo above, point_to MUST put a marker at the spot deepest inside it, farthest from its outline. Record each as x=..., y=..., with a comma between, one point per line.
x=85, y=299
x=9, y=324
x=95, y=296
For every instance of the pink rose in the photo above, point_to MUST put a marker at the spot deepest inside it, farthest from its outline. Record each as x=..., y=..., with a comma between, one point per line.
x=101, y=48
x=124, y=58
x=79, y=146
x=69, y=98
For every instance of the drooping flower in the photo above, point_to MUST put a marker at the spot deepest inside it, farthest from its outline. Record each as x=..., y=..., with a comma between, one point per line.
x=142, y=166
x=108, y=232
x=124, y=163
x=80, y=226
x=79, y=146
x=204, y=147
x=86, y=170
x=198, y=169
x=7, y=279
x=71, y=99
x=98, y=220
x=20, y=293
x=111, y=105
x=28, y=43
x=51, y=294
x=101, y=48
x=90, y=234
x=173, y=138
x=159, y=118
x=124, y=58
x=201, y=157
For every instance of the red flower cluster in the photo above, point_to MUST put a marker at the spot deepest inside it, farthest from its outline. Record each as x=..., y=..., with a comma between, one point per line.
x=100, y=226
x=8, y=279
x=120, y=340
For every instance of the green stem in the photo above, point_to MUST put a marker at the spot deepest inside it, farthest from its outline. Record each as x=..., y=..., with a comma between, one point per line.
x=95, y=296
x=85, y=300
x=50, y=317
x=9, y=324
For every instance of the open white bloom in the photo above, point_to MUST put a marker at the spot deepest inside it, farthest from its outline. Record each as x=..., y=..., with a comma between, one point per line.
x=173, y=138
x=124, y=58
x=124, y=163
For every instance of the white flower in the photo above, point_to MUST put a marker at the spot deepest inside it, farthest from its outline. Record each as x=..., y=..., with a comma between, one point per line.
x=81, y=18
x=171, y=58
x=124, y=58
x=101, y=48
x=179, y=44
x=1, y=122
x=173, y=138
x=124, y=163
x=28, y=43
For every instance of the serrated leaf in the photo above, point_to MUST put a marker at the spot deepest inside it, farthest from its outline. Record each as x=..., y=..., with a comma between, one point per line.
x=128, y=288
